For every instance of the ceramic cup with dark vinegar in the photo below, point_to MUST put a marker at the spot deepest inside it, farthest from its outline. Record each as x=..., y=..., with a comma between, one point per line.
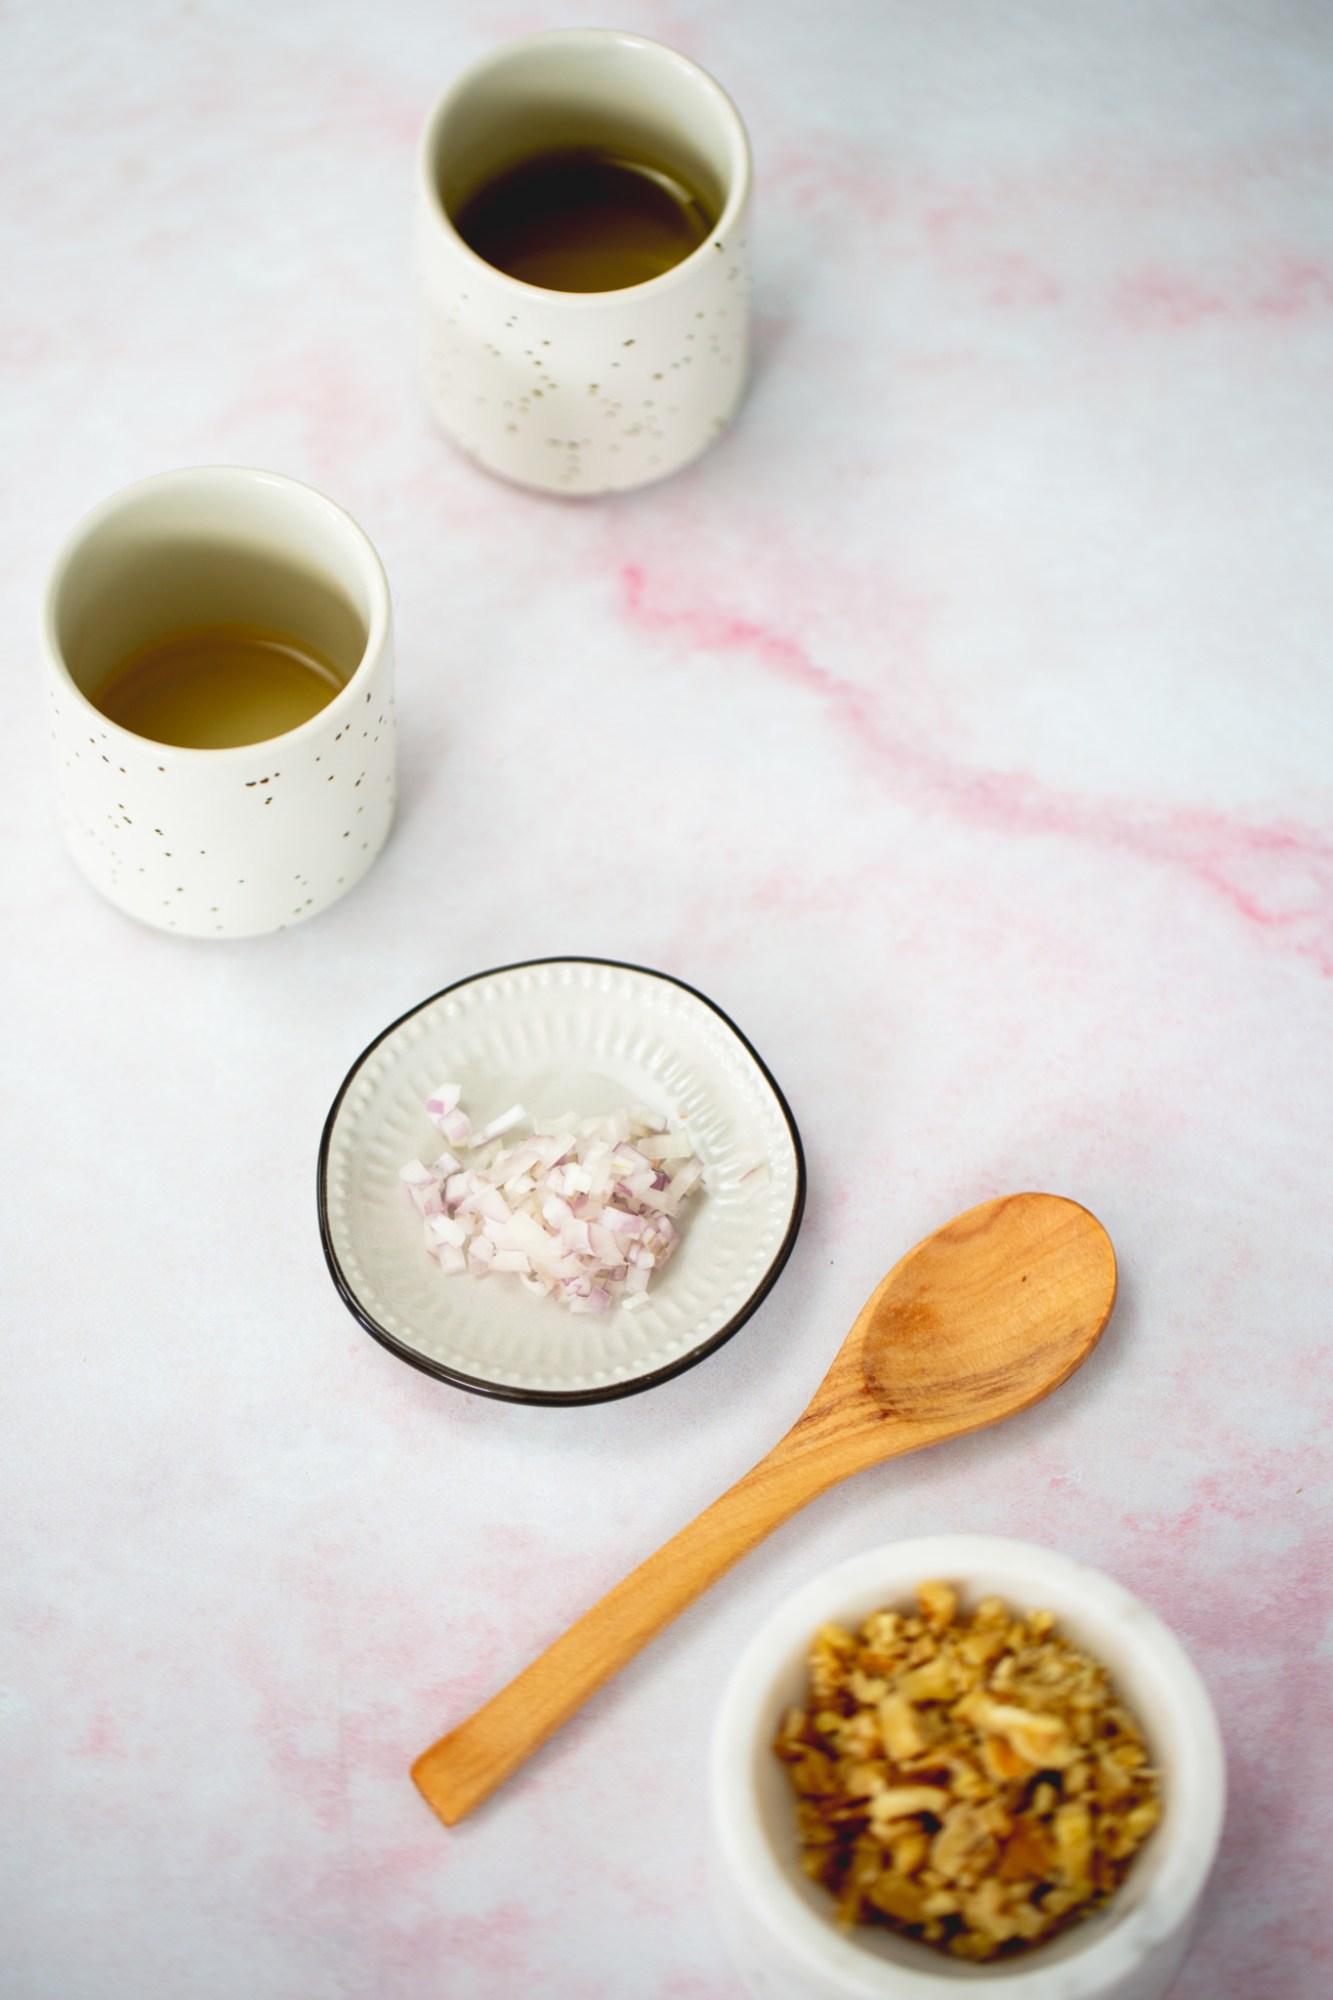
x=582, y=222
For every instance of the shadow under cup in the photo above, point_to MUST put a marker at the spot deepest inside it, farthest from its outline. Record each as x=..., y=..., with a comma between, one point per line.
x=248, y=838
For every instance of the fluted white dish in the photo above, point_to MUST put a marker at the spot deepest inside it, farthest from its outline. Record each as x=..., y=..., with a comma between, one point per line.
x=559, y=1035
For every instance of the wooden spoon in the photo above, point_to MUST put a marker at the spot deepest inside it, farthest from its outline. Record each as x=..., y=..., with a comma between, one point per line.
x=981, y=1320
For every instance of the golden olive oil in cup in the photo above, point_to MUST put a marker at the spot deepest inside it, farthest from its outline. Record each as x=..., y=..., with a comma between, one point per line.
x=219, y=685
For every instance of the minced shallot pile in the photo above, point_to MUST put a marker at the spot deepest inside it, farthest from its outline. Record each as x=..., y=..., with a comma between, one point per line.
x=584, y=1212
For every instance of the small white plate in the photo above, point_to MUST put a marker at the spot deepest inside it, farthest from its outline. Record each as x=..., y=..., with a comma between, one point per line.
x=564, y=1034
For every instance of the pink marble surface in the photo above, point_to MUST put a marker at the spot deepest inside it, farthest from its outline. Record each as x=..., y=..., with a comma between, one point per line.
x=976, y=694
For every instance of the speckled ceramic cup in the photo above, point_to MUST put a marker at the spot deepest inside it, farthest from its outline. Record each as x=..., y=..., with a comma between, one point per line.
x=230, y=842
x=584, y=392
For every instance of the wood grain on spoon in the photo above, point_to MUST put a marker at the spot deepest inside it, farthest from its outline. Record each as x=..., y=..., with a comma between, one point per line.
x=979, y=1321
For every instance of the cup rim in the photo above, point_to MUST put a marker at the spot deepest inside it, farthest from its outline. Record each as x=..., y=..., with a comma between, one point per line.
x=88, y=524
x=737, y=194
x=1089, y=1970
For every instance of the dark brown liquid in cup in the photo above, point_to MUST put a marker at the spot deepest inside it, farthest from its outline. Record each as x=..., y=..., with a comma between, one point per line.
x=585, y=221
x=217, y=686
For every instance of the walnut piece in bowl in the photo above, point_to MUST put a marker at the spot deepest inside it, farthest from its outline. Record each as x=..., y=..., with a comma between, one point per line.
x=971, y=1779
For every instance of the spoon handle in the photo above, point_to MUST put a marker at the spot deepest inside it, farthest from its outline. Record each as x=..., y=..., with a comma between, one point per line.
x=467, y=1765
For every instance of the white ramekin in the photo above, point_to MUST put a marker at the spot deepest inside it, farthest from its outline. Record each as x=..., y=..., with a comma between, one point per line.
x=779, y=1926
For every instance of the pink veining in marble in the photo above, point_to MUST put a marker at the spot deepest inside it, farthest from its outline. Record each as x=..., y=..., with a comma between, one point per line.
x=1276, y=878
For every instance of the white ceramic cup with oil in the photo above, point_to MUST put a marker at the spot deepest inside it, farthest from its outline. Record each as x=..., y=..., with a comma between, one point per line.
x=241, y=840
x=584, y=392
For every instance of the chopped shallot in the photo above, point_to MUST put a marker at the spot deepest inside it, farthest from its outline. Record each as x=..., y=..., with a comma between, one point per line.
x=583, y=1212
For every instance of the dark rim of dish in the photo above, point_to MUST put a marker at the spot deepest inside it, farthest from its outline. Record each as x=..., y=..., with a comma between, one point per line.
x=508, y=1392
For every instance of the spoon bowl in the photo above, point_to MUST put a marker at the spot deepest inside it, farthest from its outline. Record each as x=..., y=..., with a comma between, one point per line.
x=981, y=1320
x=990, y=1313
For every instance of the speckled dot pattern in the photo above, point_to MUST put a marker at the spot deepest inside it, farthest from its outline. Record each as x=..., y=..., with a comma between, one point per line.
x=229, y=843
x=578, y=396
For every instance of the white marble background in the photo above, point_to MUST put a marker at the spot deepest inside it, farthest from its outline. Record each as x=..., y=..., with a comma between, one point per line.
x=974, y=703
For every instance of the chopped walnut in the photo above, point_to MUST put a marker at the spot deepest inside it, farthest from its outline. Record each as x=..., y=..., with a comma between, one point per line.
x=972, y=1781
